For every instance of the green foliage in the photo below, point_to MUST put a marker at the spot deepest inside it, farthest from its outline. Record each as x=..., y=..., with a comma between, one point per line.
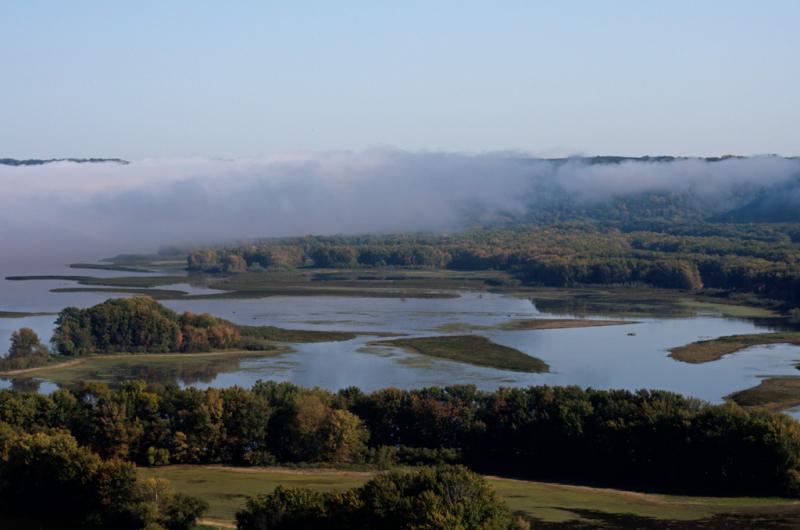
x=157, y=456
x=182, y=511
x=633, y=439
x=77, y=489
x=430, y=498
x=283, y=509
x=136, y=324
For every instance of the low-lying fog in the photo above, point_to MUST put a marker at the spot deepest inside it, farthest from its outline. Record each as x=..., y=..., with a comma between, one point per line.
x=80, y=210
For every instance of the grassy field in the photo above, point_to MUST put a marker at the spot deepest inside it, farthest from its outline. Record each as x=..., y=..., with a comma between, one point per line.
x=774, y=393
x=470, y=349
x=227, y=488
x=711, y=350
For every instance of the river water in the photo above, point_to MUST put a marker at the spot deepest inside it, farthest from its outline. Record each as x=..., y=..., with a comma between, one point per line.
x=630, y=356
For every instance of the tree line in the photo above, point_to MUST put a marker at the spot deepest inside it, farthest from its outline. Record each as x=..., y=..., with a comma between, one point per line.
x=760, y=259
x=645, y=439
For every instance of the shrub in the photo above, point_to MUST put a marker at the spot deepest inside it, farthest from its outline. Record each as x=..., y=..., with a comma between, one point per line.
x=444, y=497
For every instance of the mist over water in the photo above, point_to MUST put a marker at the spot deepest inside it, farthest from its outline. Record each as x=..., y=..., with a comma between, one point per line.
x=71, y=211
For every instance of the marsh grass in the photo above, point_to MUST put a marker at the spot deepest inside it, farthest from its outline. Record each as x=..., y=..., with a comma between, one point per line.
x=470, y=349
x=713, y=349
x=22, y=314
x=155, y=367
x=774, y=393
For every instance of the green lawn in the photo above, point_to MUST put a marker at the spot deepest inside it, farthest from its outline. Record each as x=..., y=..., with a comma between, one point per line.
x=226, y=489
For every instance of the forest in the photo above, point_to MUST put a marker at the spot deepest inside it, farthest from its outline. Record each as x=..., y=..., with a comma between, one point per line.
x=647, y=439
x=758, y=259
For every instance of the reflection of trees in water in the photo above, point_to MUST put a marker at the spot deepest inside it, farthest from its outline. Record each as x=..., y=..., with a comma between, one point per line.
x=186, y=373
x=592, y=306
x=25, y=384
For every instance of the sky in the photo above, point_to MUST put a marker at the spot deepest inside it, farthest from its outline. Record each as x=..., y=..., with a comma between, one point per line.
x=245, y=79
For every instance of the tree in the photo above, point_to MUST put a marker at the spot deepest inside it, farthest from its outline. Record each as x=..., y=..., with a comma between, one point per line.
x=283, y=509
x=181, y=511
x=26, y=351
x=321, y=434
x=24, y=342
x=446, y=497
x=75, y=484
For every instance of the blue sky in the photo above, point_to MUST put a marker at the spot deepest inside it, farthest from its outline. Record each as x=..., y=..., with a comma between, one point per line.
x=228, y=79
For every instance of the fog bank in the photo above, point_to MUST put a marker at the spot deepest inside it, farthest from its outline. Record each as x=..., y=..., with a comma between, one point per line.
x=107, y=208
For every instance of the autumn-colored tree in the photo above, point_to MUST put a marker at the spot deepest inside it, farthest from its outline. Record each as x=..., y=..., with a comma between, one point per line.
x=322, y=434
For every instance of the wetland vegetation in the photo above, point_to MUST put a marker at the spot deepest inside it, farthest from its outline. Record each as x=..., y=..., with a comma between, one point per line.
x=161, y=368
x=773, y=393
x=705, y=351
x=22, y=314
x=470, y=349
